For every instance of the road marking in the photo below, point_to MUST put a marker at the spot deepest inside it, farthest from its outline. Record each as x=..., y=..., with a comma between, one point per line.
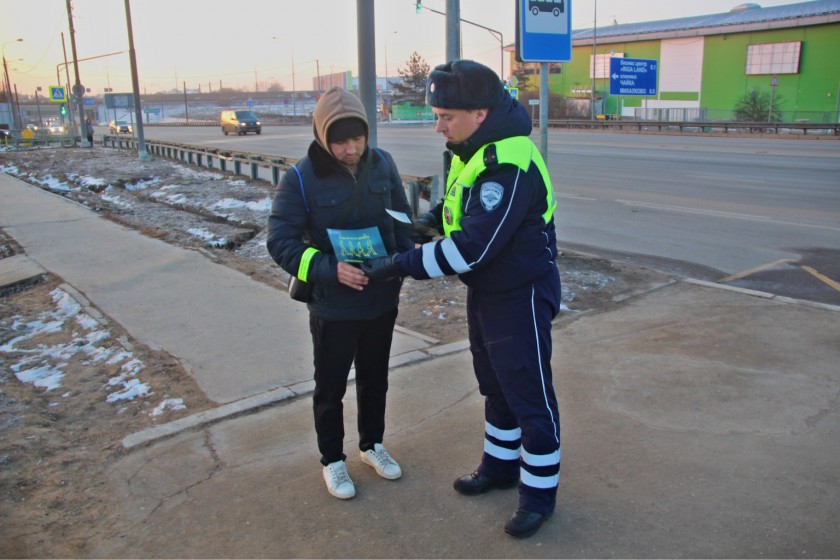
x=721, y=214
x=822, y=277
x=573, y=196
x=750, y=272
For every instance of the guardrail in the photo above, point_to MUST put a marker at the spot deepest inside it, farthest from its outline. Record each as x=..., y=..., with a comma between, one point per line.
x=259, y=167
x=816, y=130
x=15, y=141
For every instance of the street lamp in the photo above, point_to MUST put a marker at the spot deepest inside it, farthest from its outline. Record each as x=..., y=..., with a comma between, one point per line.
x=8, y=83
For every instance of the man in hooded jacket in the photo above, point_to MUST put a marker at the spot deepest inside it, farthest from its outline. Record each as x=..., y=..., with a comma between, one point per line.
x=343, y=185
x=497, y=216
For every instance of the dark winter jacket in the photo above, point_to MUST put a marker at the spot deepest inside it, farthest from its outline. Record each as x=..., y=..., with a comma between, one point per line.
x=508, y=245
x=335, y=199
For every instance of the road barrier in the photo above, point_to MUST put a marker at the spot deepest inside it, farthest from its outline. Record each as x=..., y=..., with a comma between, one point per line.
x=799, y=129
x=259, y=167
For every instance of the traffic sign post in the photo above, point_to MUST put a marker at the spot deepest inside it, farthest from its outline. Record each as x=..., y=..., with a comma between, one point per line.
x=544, y=35
x=633, y=76
x=544, y=31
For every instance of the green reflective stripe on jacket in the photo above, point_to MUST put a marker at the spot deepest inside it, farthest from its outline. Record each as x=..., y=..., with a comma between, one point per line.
x=305, y=260
x=518, y=151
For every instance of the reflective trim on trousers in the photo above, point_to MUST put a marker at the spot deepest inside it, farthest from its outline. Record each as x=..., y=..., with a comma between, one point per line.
x=543, y=482
x=541, y=460
x=501, y=453
x=503, y=435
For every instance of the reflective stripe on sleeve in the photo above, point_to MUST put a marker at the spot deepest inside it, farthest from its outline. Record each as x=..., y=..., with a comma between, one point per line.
x=430, y=262
x=305, y=261
x=453, y=256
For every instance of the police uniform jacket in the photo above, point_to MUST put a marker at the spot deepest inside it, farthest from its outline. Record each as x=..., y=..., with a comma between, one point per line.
x=504, y=241
x=333, y=198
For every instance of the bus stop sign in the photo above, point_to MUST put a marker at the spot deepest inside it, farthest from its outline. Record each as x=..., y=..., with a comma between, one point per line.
x=543, y=31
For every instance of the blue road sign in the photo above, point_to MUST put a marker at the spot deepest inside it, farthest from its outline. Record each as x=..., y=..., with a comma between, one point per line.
x=633, y=76
x=58, y=94
x=544, y=31
x=89, y=102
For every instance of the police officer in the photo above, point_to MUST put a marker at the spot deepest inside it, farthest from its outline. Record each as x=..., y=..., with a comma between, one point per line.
x=499, y=237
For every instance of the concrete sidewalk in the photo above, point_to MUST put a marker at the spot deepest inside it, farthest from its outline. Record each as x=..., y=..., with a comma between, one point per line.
x=203, y=314
x=697, y=421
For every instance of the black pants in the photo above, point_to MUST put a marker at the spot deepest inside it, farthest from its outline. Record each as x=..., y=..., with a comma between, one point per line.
x=337, y=345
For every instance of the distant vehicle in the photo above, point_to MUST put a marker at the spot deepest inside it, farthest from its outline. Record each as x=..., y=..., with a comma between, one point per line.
x=240, y=122
x=119, y=127
x=5, y=134
x=55, y=128
x=556, y=7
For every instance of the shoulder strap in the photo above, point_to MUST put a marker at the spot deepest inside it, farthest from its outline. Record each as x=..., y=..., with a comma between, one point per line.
x=302, y=191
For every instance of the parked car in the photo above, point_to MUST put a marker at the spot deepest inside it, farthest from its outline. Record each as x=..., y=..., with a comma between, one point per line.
x=119, y=127
x=240, y=122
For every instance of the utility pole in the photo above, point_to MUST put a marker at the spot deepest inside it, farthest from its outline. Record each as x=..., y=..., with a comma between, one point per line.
x=594, y=59
x=135, y=86
x=78, y=88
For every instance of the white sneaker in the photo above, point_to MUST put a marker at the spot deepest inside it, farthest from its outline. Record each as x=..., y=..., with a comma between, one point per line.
x=338, y=481
x=379, y=459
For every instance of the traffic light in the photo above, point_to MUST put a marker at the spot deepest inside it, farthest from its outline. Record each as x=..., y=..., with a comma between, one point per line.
x=419, y=6
x=62, y=109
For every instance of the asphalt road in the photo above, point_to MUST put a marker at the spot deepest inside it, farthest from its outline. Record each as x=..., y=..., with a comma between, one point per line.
x=760, y=213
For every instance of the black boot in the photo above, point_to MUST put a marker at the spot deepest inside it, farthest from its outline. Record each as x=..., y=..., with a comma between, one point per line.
x=476, y=483
x=524, y=523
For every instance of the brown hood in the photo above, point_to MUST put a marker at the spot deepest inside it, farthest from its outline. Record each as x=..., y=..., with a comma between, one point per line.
x=335, y=104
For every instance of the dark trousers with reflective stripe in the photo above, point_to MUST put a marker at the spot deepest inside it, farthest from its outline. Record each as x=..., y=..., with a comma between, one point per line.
x=510, y=340
x=338, y=344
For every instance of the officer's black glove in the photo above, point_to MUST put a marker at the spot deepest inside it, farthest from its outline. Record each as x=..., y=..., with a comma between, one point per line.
x=381, y=269
x=424, y=228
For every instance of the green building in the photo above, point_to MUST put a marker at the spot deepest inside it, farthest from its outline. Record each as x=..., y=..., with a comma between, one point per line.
x=706, y=64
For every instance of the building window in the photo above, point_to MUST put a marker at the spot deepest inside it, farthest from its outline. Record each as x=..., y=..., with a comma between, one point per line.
x=773, y=58
x=602, y=64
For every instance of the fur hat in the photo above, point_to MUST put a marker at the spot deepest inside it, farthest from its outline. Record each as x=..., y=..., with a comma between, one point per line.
x=463, y=84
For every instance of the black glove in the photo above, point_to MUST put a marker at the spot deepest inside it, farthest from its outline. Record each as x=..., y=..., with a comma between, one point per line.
x=381, y=269
x=424, y=228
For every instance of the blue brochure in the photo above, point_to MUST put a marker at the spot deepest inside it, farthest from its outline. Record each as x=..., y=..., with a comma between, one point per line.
x=357, y=245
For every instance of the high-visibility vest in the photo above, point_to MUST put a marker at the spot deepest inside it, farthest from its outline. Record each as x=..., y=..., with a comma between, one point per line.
x=517, y=150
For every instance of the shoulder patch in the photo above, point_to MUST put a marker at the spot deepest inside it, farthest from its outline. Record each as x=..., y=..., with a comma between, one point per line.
x=491, y=195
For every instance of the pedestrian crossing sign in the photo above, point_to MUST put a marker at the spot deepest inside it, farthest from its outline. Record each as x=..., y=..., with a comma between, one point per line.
x=58, y=94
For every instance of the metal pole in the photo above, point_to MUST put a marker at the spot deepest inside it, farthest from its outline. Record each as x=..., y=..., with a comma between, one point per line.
x=544, y=110
x=453, y=30
x=135, y=84
x=366, y=49
x=38, y=104
x=67, y=90
x=9, y=93
x=78, y=88
x=594, y=58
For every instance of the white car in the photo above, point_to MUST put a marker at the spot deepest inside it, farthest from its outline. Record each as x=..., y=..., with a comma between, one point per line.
x=55, y=128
